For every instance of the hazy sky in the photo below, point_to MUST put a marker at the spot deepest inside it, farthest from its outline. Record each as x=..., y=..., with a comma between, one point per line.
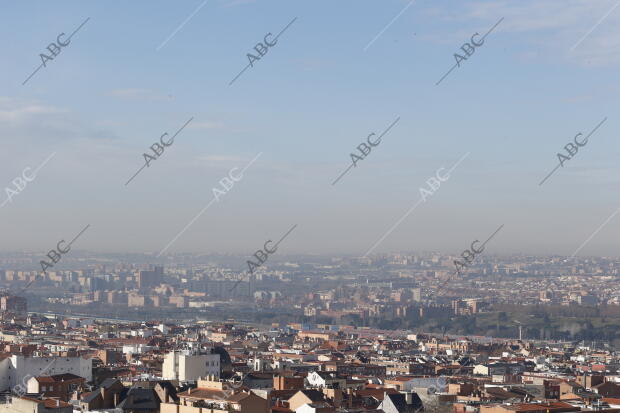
x=343, y=70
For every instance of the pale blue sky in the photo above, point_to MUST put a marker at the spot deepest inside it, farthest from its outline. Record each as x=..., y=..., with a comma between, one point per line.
x=305, y=106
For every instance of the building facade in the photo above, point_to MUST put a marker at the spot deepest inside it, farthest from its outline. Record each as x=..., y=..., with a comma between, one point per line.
x=18, y=369
x=185, y=365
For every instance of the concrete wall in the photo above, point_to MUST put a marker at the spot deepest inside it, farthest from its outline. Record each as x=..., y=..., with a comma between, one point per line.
x=20, y=369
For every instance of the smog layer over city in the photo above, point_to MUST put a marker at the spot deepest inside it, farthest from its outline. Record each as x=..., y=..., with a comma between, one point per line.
x=295, y=206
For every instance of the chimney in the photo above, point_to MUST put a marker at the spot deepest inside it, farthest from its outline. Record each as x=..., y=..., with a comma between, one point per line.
x=189, y=391
x=408, y=397
x=57, y=402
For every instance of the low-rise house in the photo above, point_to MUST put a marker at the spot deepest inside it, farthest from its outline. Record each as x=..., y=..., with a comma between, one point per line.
x=58, y=386
x=139, y=400
x=107, y=396
x=213, y=396
x=607, y=389
x=316, y=408
x=305, y=396
x=30, y=405
x=322, y=379
x=401, y=403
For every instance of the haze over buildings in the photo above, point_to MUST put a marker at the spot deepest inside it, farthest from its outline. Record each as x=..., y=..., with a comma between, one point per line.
x=354, y=206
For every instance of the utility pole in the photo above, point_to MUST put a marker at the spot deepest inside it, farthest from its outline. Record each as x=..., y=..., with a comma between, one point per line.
x=520, y=329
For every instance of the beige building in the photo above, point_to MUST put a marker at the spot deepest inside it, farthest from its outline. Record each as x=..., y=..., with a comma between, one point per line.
x=213, y=396
x=184, y=365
